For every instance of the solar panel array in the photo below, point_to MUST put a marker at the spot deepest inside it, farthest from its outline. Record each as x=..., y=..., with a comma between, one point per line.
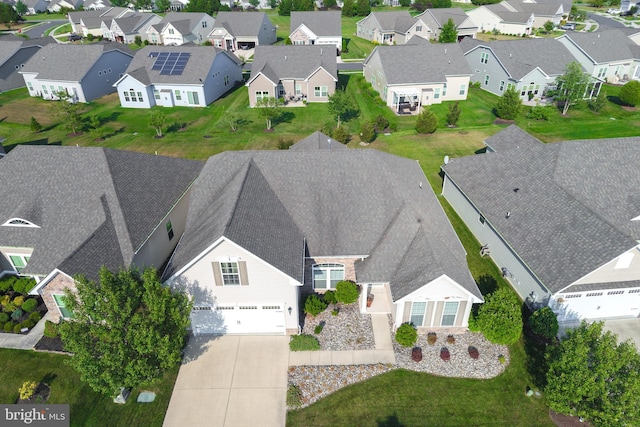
x=170, y=63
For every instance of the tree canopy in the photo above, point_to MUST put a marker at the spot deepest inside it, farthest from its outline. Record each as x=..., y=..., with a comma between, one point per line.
x=509, y=105
x=630, y=93
x=269, y=109
x=126, y=329
x=449, y=33
x=571, y=85
x=500, y=317
x=8, y=14
x=341, y=106
x=593, y=376
x=21, y=7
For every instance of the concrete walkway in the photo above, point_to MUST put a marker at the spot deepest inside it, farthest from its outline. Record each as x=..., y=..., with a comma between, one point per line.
x=383, y=352
x=24, y=342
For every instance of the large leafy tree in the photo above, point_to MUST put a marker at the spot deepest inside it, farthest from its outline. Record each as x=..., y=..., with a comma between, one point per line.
x=449, y=33
x=126, y=329
x=8, y=14
x=363, y=7
x=21, y=7
x=205, y=6
x=571, y=85
x=341, y=106
x=593, y=376
x=284, y=7
x=349, y=8
x=500, y=317
x=163, y=5
x=509, y=105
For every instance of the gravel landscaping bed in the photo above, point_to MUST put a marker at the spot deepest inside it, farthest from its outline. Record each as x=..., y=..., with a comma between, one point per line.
x=349, y=330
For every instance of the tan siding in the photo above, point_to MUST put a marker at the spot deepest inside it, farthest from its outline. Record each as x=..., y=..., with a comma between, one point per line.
x=244, y=279
x=56, y=286
x=321, y=78
x=438, y=318
x=406, y=315
x=217, y=273
x=428, y=317
x=260, y=84
x=462, y=308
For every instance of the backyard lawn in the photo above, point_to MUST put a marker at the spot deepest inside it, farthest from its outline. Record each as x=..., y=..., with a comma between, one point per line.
x=87, y=407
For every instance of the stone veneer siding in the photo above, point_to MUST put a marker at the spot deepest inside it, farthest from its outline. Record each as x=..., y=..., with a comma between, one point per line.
x=57, y=285
x=349, y=273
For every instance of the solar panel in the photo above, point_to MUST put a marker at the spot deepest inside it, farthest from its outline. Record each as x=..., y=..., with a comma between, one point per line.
x=170, y=63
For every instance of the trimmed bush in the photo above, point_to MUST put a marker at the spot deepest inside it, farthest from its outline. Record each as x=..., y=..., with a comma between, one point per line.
x=30, y=305
x=10, y=307
x=451, y=339
x=367, y=132
x=406, y=335
x=50, y=329
x=294, y=396
x=544, y=322
x=314, y=305
x=381, y=123
x=432, y=337
x=329, y=297
x=427, y=122
x=28, y=324
x=341, y=134
x=540, y=112
x=509, y=105
x=4, y=318
x=28, y=389
x=17, y=328
x=346, y=292
x=23, y=285
x=304, y=342
x=334, y=312
x=35, y=316
x=17, y=314
x=6, y=284
x=318, y=328
x=445, y=354
x=5, y=299
x=630, y=93
x=8, y=327
x=500, y=317
x=18, y=301
x=473, y=352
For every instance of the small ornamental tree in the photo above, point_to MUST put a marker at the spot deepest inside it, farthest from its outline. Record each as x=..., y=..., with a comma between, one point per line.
x=163, y=5
x=341, y=106
x=314, y=305
x=500, y=317
x=630, y=93
x=427, y=122
x=21, y=7
x=406, y=335
x=454, y=114
x=548, y=26
x=349, y=8
x=341, y=134
x=68, y=111
x=509, y=105
x=544, y=323
x=35, y=125
x=346, y=292
x=269, y=109
x=449, y=33
x=571, y=86
x=368, y=132
x=599, y=102
x=157, y=119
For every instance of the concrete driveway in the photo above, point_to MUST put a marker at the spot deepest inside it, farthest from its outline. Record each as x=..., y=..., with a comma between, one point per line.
x=625, y=329
x=231, y=381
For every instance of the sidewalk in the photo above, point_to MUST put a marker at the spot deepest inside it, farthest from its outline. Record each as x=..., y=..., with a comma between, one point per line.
x=24, y=342
x=383, y=352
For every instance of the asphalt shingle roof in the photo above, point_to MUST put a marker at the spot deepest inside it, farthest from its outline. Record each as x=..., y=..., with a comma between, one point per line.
x=184, y=22
x=318, y=141
x=507, y=15
x=94, y=206
x=399, y=21
x=572, y=210
x=240, y=24
x=607, y=45
x=442, y=15
x=321, y=23
x=289, y=61
x=342, y=202
x=421, y=62
x=510, y=138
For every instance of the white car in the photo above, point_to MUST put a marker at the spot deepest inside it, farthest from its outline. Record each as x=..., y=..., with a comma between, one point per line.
x=613, y=11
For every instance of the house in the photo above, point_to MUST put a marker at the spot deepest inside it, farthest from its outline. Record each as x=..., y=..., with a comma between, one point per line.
x=435, y=19
x=417, y=73
x=391, y=27
x=542, y=12
x=242, y=31
x=316, y=28
x=96, y=4
x=510, y=137
x=609, y=55
x=498, y=18
x=530, y=65
x=626, y=5
x=561, y=237
x=95, y=68
x=267, y=228
x=298, y=74
x=90, y=21
x=72, y=210
x=57, y=5
x=125, y=29
x=14, y=53
x=318, y=141
x=36, y=6
x=188, y=76
x=178, y=28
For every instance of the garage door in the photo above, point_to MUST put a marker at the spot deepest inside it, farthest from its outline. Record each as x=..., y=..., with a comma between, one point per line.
x=252, y=318
x=604, y=304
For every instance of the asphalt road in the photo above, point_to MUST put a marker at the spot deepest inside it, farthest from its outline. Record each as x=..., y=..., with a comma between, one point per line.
x=39, y=30
x=605, y=22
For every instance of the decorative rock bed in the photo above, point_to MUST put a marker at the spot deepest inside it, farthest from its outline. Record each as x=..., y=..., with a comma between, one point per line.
x=348, y=330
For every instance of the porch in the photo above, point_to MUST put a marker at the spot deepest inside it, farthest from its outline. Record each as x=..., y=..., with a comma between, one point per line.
x=295, y=100
x=376, y=299
x=406, y=101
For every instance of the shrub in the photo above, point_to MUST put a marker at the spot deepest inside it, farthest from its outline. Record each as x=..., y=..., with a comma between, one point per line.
x=630, y=93
x=544, y=322
x=318, y=328
x=451, y=339
x=509, y=105
x=416, y=354
x=599, y=102
x=138, y=41
x=500, y=317
x=473, y=352
x=4, y=318
x=17, y=328
x=304, y=342
x=454, y=114
x=445, y=354
x=346, y=292
x=367, y=132
x=473, y=323
x=18, y=301
x=284, y=143
x=8, y=327
x=27, y=389
x=294, y=396
x=50, y=329
x=35, y=316
x=381, y=123
x=540, y=112
x=17, y=314
x=502, y=359
x=90, y=37
x=30, y=305
x=5, y=299
x=334, y=312
x=406, y=335
x=314, y=305
x=23, y=285
x=341, y=134
x=35, y=125
x=28, y=324
x=432, y=337
x=427, y=122
x=9, y=307
x=329, y=297
x=6, y=284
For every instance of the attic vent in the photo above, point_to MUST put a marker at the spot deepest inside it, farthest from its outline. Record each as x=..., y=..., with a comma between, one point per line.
x=285, y=57
x=19, y=222
x=515, y=190
x=445, y=50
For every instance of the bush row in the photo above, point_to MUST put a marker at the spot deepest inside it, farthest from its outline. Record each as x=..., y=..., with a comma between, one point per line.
x=21, y=285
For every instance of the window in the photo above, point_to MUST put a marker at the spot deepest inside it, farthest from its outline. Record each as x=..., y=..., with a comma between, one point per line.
x=449, y=313
x=156, y=93
x=140, y=96
x=481, y=219
x=19, y=262
x=132, y=93
x=261, y=95
x=436, y=93
x=501, y=88
x=230, y=273
x=463, y=89
x=484, y=57
x=615, y=292
x=204, y=24
x=178, y=96
x=170, y=230
x=60, y=302
x=486, y=79
x=320, y=91
x=417, y=313
x=226, y=80
x=192, y=98
x=634, y=291
x=30, y=86
x=327, y=276
x=602, y=72
x=298, y=89
x=594, y=294
x=171, y=31
x=418, y=28
x=573, y=296
x=44, y=90
x=126, y=96
x=444, y=90
x=217, y=43
x=537, y=89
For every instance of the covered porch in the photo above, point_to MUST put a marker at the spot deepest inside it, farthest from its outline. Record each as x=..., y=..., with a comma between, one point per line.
x=406, y=101
x=376, y=298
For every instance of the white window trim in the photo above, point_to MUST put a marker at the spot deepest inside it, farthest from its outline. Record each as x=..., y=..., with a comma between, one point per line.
x=9, y=255
x=223, y=274
x=424, y=314
x=455, y=316
x=327, y=267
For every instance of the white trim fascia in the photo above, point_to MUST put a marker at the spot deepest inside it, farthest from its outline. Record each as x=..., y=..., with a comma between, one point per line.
x=338, y=257
x=317, y=70
x=194, y=260
x=474, y=298
x=260, y=73
x=41, y=284
x=566, y=36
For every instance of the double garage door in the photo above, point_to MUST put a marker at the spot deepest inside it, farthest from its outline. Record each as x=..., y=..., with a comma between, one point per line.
x=239, y=318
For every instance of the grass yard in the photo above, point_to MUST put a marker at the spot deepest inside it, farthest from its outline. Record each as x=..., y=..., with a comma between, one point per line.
x=87, y=407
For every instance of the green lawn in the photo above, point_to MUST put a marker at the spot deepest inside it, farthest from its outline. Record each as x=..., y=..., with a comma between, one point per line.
x=87, y=408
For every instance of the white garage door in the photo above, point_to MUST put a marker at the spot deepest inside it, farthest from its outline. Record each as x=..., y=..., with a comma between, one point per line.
x=604, y=304
x=252, y=318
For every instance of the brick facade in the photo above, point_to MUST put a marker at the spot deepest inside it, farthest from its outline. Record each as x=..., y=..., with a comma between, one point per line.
x=349, y=272
x=57, y=285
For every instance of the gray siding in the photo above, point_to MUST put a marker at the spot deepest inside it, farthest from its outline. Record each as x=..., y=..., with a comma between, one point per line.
x=214, y=87
x=492, y=68
x=96, y=82
x=578, y=54
x=374, y=71
x=9, y=76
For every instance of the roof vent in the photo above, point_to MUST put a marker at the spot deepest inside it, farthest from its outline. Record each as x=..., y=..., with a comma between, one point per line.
x=510, y=55
x=508, y=215
x=515, y=190
x=445, y=50
x=285, y=57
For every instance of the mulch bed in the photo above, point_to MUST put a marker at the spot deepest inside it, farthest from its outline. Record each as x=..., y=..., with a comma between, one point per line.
x=567, y=420
x=50, y=344
x=503, y=122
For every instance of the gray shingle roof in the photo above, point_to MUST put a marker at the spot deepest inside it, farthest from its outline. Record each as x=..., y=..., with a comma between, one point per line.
x=421, y=62
x=605, y=46
x=507, y=15
x=184, y=22
x=511, y=137
x=542, y=9
x=241, y=24
x=399, y=21
x=321, y=23
x=343, y=202
x=442, y=15
x=573, y=208
x=94, y=206
x=131, y=23
x=279, y=62
x=52, y=62
x=520, y=57
x=195, y=72
x=318, y=141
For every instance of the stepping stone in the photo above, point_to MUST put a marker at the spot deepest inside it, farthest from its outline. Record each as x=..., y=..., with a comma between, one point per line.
x=146, y=397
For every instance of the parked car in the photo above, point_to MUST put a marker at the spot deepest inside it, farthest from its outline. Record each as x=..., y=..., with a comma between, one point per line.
x=613, y=11
x=568, y=26
x=74, y=37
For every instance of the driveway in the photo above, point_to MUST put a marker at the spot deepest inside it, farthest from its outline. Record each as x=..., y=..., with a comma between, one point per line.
x=625, y=329
x=231, y=381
